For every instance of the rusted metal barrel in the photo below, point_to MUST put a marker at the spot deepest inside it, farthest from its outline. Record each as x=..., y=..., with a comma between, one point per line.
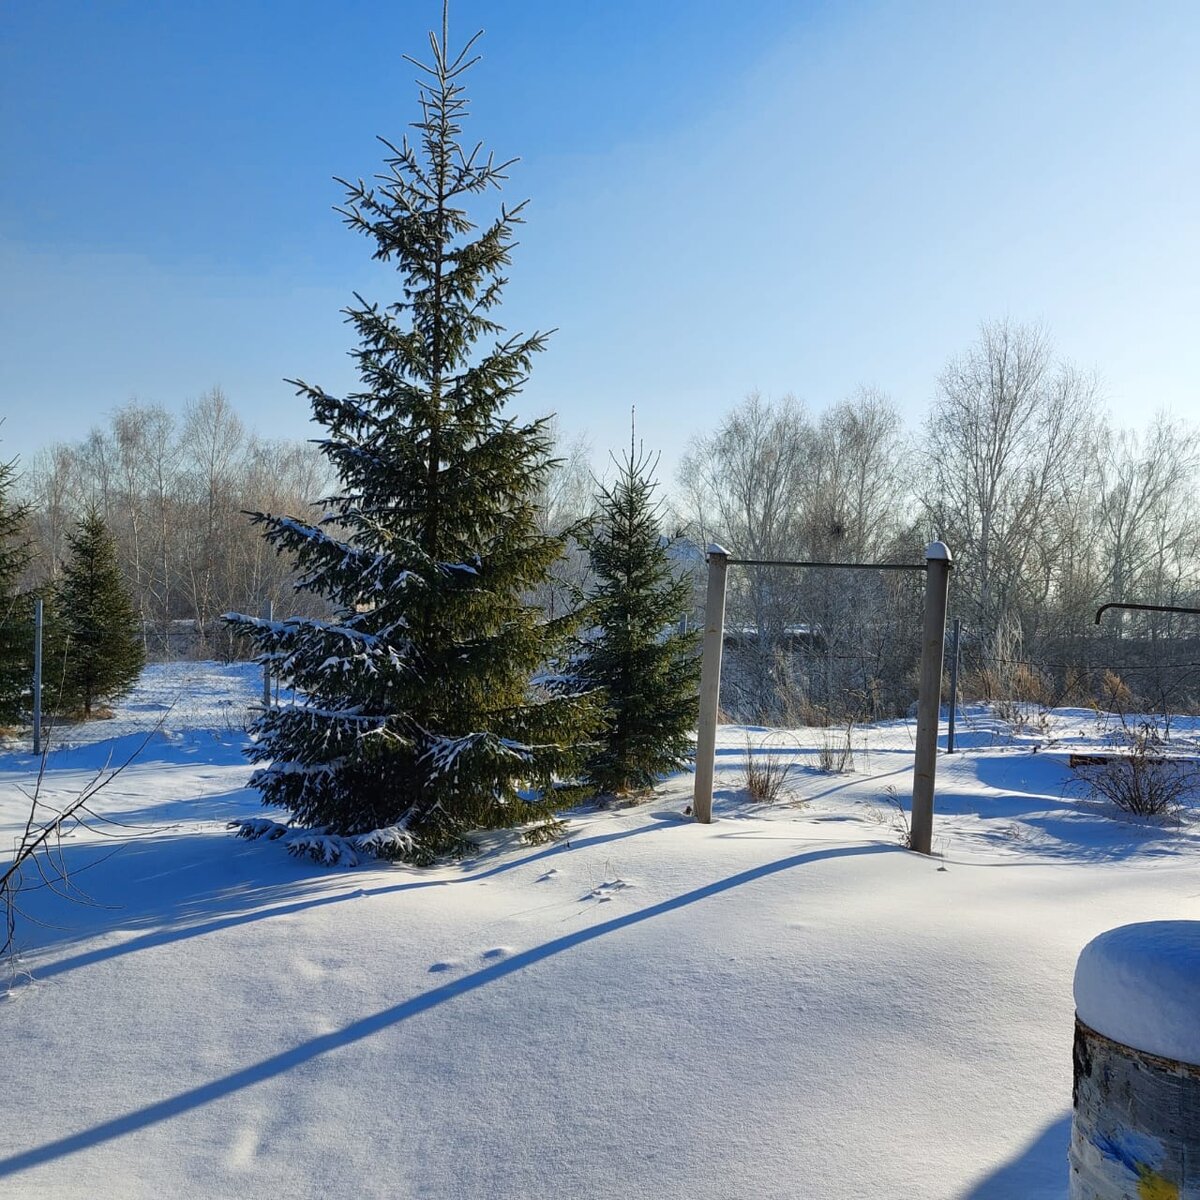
x=1136, y=1128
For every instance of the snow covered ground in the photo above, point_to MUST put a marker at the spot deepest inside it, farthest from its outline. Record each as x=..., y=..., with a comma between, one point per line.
x=784, y=1003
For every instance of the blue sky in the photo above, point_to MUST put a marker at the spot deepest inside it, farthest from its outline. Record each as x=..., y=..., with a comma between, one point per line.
x=790, y=197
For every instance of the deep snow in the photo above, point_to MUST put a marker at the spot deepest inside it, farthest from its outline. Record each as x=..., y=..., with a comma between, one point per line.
x=783, y=1003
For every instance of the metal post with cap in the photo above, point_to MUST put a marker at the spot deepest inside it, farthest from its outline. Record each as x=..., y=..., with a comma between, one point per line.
x=938, y=561
x=710, y=683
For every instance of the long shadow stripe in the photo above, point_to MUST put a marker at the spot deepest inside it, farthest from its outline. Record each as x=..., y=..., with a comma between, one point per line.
x=278, y=1064
x=163, y=937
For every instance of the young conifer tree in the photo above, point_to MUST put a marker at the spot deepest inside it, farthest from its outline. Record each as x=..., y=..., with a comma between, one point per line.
x=417, y=719
x=647, y=669
x=94, y=624
x=16, y=614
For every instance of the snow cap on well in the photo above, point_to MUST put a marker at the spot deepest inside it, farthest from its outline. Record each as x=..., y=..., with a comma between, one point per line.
x=1140, y=985
x=717, y=548
x=939, y=550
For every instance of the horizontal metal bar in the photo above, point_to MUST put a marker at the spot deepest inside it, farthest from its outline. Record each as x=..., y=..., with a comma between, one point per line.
x=773, y=562
x=1145, y=608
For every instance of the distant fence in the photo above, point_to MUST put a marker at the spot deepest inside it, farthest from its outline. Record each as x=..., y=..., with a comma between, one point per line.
x=174, y=641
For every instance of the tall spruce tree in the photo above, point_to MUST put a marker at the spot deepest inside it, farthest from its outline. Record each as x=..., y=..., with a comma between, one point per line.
x=95, y=647
x=417, y=720
x=16, y=613
x=647, y=669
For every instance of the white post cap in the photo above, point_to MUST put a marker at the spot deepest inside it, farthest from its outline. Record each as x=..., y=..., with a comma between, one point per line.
x=717, y=548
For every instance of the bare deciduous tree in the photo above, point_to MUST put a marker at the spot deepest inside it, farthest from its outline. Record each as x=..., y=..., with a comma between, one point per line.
x=175, y=498
x=773, y=484
x=1006, y=435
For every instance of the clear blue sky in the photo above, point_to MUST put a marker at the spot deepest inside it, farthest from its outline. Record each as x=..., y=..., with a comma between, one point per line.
x=725, y=195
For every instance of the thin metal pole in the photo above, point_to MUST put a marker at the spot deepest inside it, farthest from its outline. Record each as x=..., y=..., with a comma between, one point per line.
x=268, y=614
x=953, y=685
x=938, y=561
x=710, y=683
x=37, y=675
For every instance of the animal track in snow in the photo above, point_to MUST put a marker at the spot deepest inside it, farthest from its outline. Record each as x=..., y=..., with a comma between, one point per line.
x=605, y=891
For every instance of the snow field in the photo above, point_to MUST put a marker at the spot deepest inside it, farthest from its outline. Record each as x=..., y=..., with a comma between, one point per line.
x=783, y=1003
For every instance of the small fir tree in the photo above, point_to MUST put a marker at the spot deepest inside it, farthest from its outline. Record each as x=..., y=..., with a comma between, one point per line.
x=93, y=625
x=16, y=613
x=647, y=669
x=417, y=720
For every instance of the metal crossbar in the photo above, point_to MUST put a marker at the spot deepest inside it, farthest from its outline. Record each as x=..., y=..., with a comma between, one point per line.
x=775, y=562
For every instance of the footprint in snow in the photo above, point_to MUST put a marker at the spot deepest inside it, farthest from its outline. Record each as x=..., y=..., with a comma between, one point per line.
x=449, y=965
x=244, y=1150
x=496, y=952
x=550, y=874
x=605, y=891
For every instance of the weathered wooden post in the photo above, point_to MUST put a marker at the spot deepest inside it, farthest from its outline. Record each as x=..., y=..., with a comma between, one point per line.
x=1136, y=1125
x=938, y=561
x=953, y=713
x=268, y=614
x=38, y=620
x=710, y=682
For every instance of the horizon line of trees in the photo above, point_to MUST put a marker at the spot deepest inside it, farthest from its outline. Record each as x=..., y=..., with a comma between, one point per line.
x=1048, y=507
x=174, y=492
x=1050, y=510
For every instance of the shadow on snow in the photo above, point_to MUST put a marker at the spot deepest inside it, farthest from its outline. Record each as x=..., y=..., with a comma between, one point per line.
x=356, y=1031
x=1038, y=1172
x=187, y=885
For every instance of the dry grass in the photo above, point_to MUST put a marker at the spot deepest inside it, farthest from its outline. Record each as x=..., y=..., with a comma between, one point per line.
x=836, y=756
x=766, y=770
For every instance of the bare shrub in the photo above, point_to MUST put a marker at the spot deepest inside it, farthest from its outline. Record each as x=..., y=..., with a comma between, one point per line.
x=37, y=858
x=836, y=756
x=800, y=713
x=891, y=812
x=1142, y=776
x=766, y=771
x=1076, y=686
x=1031, y=685
x=1115, y=695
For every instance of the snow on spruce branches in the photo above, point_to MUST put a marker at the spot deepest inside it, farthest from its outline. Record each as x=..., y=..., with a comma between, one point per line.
x=417, y=720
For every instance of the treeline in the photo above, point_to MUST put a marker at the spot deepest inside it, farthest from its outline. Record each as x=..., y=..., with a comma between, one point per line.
x=1050, y=511
x=174, y=493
